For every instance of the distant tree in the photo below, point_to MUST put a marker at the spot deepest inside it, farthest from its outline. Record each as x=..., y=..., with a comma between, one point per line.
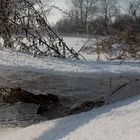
x=133, y=8
x=64, y=26
x=81, y=12
x=121, y=22
x=108, y=10
x=97, y=25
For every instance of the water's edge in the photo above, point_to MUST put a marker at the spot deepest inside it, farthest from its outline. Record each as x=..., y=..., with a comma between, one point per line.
x=75, y=90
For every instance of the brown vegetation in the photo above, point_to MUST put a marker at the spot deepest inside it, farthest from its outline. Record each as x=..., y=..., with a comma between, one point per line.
x=122, y=46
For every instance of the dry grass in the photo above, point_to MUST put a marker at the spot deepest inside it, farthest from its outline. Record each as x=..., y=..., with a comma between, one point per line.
x=122, y=46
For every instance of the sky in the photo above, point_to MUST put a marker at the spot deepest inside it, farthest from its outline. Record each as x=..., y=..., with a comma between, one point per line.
x=56, y=14
x=65, y=4
x=62, y=3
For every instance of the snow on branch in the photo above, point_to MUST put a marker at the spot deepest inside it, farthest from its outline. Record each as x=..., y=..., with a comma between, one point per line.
x=24, y=23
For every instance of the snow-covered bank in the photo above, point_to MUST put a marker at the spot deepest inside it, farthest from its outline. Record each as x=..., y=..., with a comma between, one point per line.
x=112, y=122
x=27, y=62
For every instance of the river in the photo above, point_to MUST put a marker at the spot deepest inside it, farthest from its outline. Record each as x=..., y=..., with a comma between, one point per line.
x=74, y=87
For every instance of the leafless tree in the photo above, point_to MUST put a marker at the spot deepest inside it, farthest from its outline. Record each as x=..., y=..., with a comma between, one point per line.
x=108, y=10
x=83, y=10
x=28, y=19
x=78, y=17
x=133, y=8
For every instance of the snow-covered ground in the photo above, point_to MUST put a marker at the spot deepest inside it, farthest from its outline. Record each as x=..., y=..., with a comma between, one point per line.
x=16, y=59
x=25, y=61
x=112, y=122
x=78, y=42
x=119, y=121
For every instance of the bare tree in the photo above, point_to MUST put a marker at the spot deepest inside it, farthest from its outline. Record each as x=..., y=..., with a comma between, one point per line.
x=133, y=8
x=132, y=12
x=81, y=13
x=13, y=13
x=28, y=19
x=108, y=10
x=83, y=10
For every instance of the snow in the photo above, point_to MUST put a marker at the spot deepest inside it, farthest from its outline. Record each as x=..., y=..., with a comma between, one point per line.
x=25, y=61
x=77, y=43
x=112, y=122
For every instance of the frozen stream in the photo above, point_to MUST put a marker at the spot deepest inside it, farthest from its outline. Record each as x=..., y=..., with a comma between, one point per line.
x=75, y=87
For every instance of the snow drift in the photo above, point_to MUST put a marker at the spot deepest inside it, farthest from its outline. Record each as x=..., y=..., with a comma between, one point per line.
x=112, y=122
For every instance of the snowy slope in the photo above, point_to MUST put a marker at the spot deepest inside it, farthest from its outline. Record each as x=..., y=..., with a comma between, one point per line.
x=113, y=122
x=120, y=121
x=25, y=61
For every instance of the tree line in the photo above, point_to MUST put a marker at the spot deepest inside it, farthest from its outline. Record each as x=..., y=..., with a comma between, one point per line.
x=100, y=17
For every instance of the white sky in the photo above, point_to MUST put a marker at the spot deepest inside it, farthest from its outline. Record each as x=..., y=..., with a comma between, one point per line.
x=65, y=4
x=56, y=15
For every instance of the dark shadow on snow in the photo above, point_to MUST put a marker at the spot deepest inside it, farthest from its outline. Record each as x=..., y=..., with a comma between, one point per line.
x=69, y=124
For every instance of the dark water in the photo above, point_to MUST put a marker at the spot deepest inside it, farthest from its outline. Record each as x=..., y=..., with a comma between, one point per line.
x=75, y=88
